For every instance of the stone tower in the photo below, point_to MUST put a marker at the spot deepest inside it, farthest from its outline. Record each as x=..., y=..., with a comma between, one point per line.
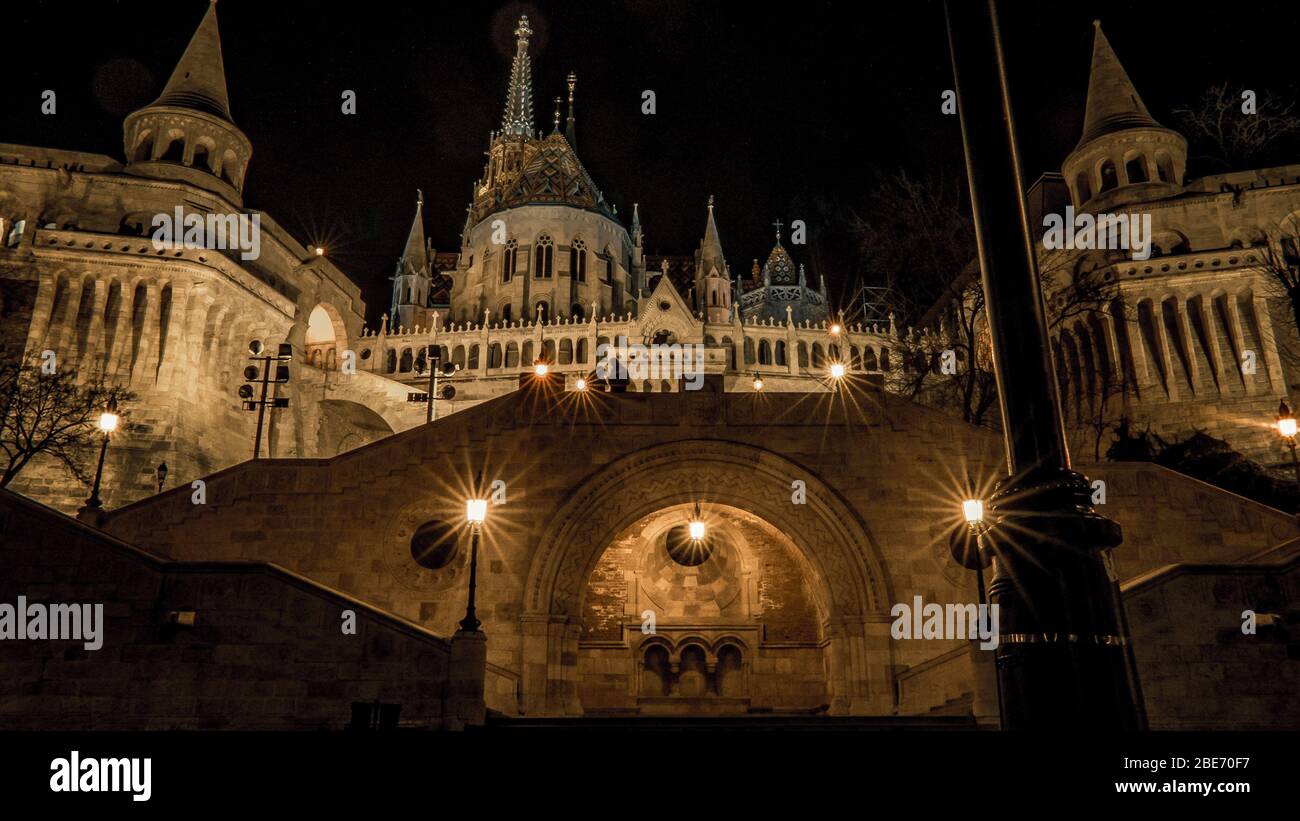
x=712, y=278
x=187, y=134
x=413, y=277
x=1124, y=155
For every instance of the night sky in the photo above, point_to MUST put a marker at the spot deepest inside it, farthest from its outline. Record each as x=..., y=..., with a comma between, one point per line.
x=789, y=110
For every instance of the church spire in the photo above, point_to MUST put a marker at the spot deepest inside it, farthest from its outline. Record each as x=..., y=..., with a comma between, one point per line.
x=199, y=81
x=569, y=133
x=518, y=119
x=415, y=258
x=1113, y=102
x=711, y=245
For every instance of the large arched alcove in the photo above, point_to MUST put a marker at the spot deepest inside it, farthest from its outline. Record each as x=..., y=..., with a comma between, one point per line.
x=326, y=336
x=741, y=600
x=828, y=534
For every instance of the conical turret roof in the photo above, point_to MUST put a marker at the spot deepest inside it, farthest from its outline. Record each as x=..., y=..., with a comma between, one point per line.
x=1113, y=102
x=199, y=81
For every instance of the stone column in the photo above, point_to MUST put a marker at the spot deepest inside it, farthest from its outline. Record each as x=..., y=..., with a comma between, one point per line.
x=1268, y=342
x=464, y=704
x=1205, y=310
x=1166, y=350
x=1189, y=344
x=1237, y=331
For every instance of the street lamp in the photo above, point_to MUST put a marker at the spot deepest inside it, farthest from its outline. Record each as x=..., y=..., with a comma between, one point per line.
x=835, y=329
x=161, y=473
x=541, y=369
x=758, y=382
x=1286, y=425
x=476, y=513
x=837, y=370
x=107, y=424
x=580, y=384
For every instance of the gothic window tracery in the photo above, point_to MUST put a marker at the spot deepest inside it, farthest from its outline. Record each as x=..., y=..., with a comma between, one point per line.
x=544, y=254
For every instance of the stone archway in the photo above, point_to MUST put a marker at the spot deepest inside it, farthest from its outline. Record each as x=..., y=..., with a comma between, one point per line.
x=827, y=531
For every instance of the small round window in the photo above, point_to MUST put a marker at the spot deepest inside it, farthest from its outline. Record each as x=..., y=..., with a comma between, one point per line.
x=435, y=544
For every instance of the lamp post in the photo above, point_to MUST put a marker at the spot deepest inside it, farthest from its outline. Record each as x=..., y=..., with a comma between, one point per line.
x=161, y=473
x=1062, y=659
x=1286, y=425
x=475, y=512
x=107, y=423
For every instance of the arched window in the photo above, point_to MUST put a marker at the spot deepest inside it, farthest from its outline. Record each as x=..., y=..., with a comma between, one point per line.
x=869, y=359
x=473, y=357
x=656, y=672
x=577, y=312
x=421, y=359
x=1136, y=169
x=512, y=355
x=544, y=255
x=818, y=356
x=764, y=353
x=1108, y=177
x=144, y=150
x=749, y=352
x=508, y=260
x=201, y=157
x=1164, y=168
x=391, y=365
x=780, y=353
x=566, y=352
x=506, y=314
x=1083, y=187
x=578, y=260
x=581, y=356
x=494, y=355
x=407, y=361
x=175, y=151
x=729, y=676
x=884, y=359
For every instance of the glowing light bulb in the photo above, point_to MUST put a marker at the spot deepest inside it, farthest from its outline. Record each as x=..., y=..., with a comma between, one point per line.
x=1287, y=426
x=476, y=510
x=541, y=369
x=973, y=510
x=697, y=530
x=837, y=370
x=108, y=421
x=580, y=384
x=758, y=383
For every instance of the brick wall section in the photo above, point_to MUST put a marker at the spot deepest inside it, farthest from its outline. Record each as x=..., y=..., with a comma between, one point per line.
x=1198, y=670
x=266, y=652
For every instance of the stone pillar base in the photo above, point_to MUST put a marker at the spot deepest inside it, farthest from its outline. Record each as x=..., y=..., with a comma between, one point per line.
x=93, y=516
x=464, y=705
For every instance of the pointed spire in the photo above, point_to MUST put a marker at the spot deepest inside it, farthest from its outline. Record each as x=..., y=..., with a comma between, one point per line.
x=711, y=245
x=569, y=133
x=636, y=224
x=199, y=81
x=555, y=128
x=518, y=120
x=1113, y=102
x=415, y=258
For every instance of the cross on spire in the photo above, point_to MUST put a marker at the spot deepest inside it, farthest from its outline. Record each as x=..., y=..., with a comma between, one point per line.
x=777, y=223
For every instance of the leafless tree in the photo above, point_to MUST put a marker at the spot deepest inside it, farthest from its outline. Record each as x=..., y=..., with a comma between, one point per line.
x=1221, y=131
x=54, y=414
x=918, y=238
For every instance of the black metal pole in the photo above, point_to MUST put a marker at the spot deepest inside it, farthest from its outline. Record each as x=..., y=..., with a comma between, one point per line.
x=471, y=623
x=1295, y=460
x=261, y=406
x=1060, y=657
x=94, y=501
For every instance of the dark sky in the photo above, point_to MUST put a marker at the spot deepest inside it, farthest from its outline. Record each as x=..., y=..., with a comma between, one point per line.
x=789, y=110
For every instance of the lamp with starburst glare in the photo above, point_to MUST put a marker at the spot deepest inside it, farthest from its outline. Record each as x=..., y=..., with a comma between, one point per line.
x=476, y=514
x=107, y=424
